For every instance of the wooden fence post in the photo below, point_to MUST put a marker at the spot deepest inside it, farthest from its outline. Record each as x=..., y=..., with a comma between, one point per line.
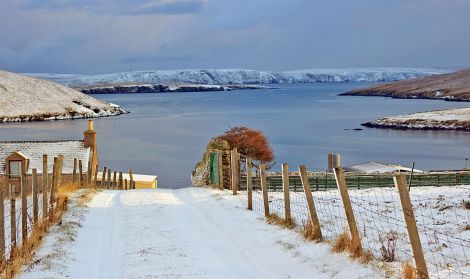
x=59, y=173
x=221, y=169
x=12, y=219
x=103, y=177
x=95, y=182
x=35, y=196
x=53, y=184
x=89, y=174
x=108, y=182
x=410, y=220
x=45, y=174
x=285, y=186
x=131, y=178
x=125, y=184
x=74, y=173
x=120, y=180
x=24, y=210
x=80, y=174
x=249, y=183
x=317, y=235
x=264, y=188
x=114, y=179
x=2, y=220
x=343, y=189
x=235, y=170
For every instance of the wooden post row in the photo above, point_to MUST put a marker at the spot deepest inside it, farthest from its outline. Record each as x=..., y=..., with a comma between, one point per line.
x=35, y=196
x=249, y=183
x=310, y=203
x=410, y=221
x=264, y=188
x=343, y=189
x=45, y=174
x=285, y=187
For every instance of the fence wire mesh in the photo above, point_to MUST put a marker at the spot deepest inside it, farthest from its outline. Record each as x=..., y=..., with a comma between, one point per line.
x=442, y=215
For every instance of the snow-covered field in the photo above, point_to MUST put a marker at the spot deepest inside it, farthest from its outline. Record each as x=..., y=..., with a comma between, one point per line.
x=442, y=219
x=180, y=233
x=451, y=119
x=243, y=76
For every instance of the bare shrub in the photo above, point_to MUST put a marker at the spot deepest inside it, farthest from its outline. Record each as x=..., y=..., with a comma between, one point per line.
x=388, y=250
x=408, y=272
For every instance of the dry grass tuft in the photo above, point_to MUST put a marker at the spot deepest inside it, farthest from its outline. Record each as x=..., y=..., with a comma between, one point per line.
x=273, y=218
x=408, y=271
x=344, y=243
x=23, y=254
x=309, y=232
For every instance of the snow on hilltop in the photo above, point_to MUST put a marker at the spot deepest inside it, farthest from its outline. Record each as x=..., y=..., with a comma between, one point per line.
x=24, y=98
x=241, y=76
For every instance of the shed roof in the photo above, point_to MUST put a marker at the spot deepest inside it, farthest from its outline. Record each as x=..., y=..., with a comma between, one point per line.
x=373, y=167
x=33, y=150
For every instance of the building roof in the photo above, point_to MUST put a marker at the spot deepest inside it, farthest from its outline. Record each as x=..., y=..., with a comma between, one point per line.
x=34, y=150
x=373, y=167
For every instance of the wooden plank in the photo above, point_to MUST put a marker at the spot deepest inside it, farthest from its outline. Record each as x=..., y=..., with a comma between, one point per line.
x=103, y=178
x=24, y=210
x=80, y=174
x=12, y=220
x=35, y=196
x=285, y=187
x=249, y=183
x=310, y=203
x=221, y=169
x=264, y=188
x=74, y=174
x=2, y=220
x=410, y=221
x=45, y=174
x=343, y=189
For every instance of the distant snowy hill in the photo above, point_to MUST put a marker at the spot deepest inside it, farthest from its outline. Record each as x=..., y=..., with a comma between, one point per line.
x=240, y=76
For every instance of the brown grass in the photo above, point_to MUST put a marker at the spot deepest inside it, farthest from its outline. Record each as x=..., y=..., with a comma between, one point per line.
x=408, y=271
x=344, y=243
x=23, y=254
x=309, y=232
x=273, y=218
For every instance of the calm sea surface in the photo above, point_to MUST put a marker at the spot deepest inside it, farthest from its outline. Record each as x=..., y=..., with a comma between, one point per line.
x=166, y=134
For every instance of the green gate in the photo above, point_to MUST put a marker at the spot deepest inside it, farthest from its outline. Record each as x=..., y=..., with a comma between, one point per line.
x=214, y=169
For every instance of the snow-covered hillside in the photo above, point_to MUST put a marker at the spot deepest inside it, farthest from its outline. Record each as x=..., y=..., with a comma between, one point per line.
x=241, y=76
x=24, y=98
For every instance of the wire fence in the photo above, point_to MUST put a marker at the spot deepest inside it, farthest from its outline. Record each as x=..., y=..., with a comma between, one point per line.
x=442, y=216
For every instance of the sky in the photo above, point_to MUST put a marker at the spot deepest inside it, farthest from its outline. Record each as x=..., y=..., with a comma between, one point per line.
x=104, y=36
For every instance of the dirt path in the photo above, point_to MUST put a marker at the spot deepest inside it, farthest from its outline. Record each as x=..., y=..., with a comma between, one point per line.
x=186, y=233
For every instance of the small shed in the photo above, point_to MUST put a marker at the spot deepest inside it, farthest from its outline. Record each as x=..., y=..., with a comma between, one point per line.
x=142, y=181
